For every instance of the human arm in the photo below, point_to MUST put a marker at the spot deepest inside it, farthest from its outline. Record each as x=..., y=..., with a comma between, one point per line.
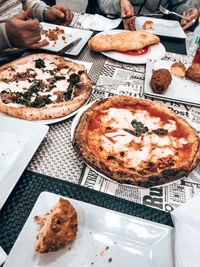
x=119, y=8
x=24, y=33
x=185, y=9
x=58, y=14
x=193, y=14
x=126, y=11
x=111, y=7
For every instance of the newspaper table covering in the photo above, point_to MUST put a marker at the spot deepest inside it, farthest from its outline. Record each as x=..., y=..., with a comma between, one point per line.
x=57, y=158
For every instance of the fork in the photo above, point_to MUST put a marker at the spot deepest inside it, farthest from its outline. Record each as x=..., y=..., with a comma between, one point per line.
x=167, y=12
x=41, y=27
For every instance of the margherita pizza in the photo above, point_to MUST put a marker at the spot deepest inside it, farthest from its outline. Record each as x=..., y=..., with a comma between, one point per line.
x=136, y=141
x=42, y=86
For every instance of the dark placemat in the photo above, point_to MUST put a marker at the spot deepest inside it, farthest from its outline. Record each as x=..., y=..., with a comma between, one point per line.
x=22, y=199
x=174, y=45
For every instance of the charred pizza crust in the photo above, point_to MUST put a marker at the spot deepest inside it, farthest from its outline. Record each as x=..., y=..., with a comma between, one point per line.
x=155, y=147
x=123, y=41
x=58, y=70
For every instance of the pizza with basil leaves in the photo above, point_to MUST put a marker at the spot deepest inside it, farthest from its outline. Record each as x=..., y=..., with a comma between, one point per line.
x=136, y=141
x=42, y=86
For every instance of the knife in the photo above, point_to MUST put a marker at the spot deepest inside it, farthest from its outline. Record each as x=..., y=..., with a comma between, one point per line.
x=69, y=47
x=142, y=15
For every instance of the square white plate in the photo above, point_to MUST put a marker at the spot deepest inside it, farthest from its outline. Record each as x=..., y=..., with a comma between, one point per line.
x=130, y=241
x=19, y=140
x=180, y=90
x=70, y=35
x=162, y=27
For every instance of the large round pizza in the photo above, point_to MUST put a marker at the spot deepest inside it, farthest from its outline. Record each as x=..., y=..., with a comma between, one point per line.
x=136, y=141
x=42, y=86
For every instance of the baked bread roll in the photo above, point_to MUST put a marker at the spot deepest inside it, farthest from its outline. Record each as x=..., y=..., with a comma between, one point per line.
x=124, y=41
x=178, y=69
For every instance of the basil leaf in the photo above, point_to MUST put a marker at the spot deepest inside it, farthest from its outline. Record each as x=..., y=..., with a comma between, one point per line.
x=139, y=126
x=160, y=131
x=131, y=132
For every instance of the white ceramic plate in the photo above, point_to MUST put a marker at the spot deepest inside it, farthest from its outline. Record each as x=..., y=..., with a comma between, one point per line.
x=180, y=90
x=130, y=241
x=78, y=116
x=155, y=52
x=162, y=27
x=48, y=121
x=70, y=35
x=19, y=140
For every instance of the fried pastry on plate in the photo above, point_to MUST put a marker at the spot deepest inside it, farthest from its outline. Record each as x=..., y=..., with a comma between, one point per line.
x=193, y=72
x=57, y=228
x=160, y=80
x=178, y=69
x=123, y=41
x=148, y=25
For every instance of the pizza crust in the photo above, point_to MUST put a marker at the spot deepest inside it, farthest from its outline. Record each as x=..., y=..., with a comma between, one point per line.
x=148, y=174
x=54, y=110
x=124, y=41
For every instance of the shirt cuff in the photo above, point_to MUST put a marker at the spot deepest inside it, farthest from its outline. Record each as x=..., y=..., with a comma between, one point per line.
x=183, y=8
x=39, y=9
x=4, y=42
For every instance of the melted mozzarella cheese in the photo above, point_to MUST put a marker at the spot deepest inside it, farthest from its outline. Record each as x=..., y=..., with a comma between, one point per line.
x=121, y=140
x=142, y=148
x=156, y=139
x=182, y=141
x=162, y=152
x=135, y=157
x=107, y=144
x=53, y=97
x=118, y=118
x=22, y=86
x=171, y=126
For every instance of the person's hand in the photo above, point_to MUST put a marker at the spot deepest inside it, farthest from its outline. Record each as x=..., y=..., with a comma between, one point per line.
x=24, y=33
x=193, y=14
x=59, y=14
x=127, y=10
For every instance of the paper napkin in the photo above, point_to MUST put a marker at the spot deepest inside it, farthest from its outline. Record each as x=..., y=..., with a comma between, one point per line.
x=94, y=22
x=186, y=220
x=3, y=256
x=86, y=64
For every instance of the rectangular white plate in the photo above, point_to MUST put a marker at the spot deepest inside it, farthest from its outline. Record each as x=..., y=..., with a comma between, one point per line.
x=180, y=90
x=162, y=27
x=70, y=35
x=19, y=140
x=131, y=241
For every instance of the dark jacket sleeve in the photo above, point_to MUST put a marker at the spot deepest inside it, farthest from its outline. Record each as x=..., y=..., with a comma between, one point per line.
x=109, y=6
x=180, y=6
